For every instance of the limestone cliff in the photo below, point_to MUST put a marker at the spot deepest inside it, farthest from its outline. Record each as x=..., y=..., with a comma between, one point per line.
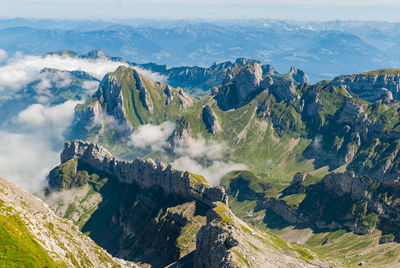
x=341, y=200
x=145, y=173
x=210, y=120
x=244, y=82
x=370, y=86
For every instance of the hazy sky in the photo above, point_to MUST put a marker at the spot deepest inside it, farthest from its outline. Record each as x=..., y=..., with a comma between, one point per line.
x=388, y=10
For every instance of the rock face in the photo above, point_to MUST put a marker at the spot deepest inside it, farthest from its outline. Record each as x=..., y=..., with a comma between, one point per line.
x=145, y=173
x=239, y=84
x=342, y=200
x=228, y=242
x=370, y=87
x=244, y=82
x=210, y=120
x=299, y=75
x=58, y=238
x=144, y=94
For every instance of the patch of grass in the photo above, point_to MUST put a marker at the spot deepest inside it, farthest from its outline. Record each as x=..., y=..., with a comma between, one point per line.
x=383, y=72
x=18, y=248
x=241, y=259
x=221, y=210
x=294, y=200
x=333, y=236
x=198, y=179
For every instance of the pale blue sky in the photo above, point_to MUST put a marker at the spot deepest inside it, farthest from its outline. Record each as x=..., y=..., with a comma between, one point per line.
x=387, y=10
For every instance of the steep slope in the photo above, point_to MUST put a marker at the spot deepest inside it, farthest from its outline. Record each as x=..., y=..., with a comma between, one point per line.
x=156, y=215
x=33, y=236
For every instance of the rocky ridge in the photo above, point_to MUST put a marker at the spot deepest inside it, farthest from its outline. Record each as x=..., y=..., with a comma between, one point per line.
x=60, y=239
x=145, y=173
x=189, y=206
x=341, y=200
x=371, y=86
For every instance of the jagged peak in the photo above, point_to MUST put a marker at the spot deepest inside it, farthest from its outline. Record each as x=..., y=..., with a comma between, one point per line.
x=298, y=75
x=245, y=61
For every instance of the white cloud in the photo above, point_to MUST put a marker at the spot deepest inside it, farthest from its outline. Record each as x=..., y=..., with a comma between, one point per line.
x=152, y=136
x=22, y=69
x=199, y=147
x=213, y=173
x=90, y=85
x=54, y=80
x=54, y=118
x=26, y=160
x=3, y=55
x=157, y=77
x=197, y=155
x=316, y=144
x=29, y=152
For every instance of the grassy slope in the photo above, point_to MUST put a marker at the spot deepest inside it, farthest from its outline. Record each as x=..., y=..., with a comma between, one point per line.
x=18, y=248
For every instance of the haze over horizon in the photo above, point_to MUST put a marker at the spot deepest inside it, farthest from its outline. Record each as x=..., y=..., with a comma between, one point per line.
x=304, y=10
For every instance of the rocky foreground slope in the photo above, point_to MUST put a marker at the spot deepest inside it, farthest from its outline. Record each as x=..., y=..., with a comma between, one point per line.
x=31, y=235
x=156, y=215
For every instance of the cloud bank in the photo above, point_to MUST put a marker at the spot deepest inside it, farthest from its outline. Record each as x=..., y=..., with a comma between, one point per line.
x=19, y=70
x=152, y=136
x=197, y=155
x=29, y=152
x=157, y=77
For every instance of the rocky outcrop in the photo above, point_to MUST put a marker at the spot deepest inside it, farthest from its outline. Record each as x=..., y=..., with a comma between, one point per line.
x=145, y=173
x=184, y=99
x=111, y=98
x=210, y=120
x=41, y=228
x=144, y=94
x=243, y=83
x=86, y=114
x=341, y=200
x=227, y=242
x=168, y=94
x=217, y=239
x=370, y=87
x=298, y=75
x=283, y=89
x=280, y=207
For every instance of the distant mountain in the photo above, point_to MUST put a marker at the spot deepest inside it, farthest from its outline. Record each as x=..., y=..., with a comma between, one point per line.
x=323, y=52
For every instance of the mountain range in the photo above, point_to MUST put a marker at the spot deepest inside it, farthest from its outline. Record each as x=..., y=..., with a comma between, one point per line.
x=323, y=49
x=239, y=166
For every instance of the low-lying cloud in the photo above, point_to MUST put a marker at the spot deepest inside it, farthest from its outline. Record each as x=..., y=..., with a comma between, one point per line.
x=197, y=155
x=21, y=69
x=157, y=77
x=31, y=140
x=152, y=136
x=28, y=153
